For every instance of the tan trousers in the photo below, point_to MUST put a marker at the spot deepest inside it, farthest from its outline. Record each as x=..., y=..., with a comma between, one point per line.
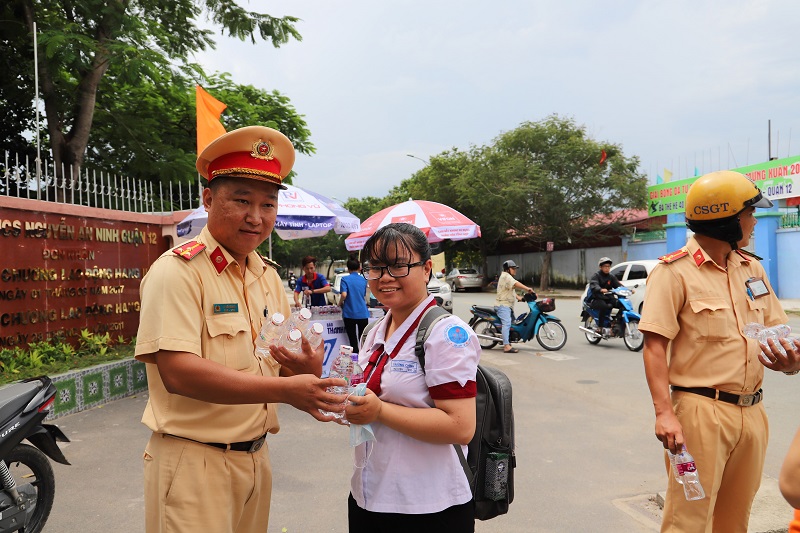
x=191, y=487
x=729, y=444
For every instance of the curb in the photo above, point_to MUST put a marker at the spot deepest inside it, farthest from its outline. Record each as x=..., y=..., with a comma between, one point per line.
x=86, y=388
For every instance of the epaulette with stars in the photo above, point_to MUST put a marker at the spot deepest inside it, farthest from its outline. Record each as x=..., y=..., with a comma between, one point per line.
x=746, y=254
x=674, y=256
x=189, y=250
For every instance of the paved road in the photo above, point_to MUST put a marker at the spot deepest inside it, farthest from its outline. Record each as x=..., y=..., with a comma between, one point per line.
x=587, y=459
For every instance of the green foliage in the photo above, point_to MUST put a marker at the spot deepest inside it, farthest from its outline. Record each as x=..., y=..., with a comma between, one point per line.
x=55, y=356
x=125, y=65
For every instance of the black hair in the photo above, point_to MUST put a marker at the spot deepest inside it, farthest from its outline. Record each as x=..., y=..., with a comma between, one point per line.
x=400, y=237
x=353, y=264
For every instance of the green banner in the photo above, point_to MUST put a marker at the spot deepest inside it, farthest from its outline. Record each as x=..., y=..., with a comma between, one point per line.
x=777, y=179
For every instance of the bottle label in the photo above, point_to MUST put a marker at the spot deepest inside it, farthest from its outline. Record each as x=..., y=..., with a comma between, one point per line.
x=683, y=468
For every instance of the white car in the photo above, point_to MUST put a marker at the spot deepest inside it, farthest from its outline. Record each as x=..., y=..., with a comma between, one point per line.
x=336, y=286
x=632, y=274
x=441, y=291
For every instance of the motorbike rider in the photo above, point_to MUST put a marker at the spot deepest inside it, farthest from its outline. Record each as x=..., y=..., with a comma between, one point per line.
x=505, y=300
x=600, y=297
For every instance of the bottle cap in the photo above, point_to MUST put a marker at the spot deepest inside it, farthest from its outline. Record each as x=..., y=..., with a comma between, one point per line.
x=304, y=313
x=316, y=327
x=295, y=335
x=278, y=319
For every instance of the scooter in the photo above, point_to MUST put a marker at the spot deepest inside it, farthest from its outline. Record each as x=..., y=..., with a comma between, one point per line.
x=292, y=280
x=624, y=321
x=547, y=329
x=27, y=483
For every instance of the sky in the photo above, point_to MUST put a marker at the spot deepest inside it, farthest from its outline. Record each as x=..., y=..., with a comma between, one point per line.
x=683, y=85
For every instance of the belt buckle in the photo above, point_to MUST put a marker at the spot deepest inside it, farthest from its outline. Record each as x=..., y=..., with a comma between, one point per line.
x=256, y=445
x=746, y=400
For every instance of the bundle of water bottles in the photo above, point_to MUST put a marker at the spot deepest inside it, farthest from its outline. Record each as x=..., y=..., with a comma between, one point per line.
x=345, y=367
x=760, y=332
x=280, y=331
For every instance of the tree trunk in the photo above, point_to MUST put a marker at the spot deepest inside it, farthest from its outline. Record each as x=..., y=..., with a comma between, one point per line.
x=544, y=281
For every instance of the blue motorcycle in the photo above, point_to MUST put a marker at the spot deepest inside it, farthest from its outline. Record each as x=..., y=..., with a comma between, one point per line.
x=547, y=329
x=624, y=321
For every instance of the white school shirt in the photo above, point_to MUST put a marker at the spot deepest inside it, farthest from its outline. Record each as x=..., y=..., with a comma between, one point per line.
x=403, y=474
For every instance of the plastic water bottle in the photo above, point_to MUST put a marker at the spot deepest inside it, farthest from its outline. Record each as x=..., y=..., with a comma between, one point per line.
x=292, y=342
x=762, y=333
x=314, y=335
x=342, y=368
x=685, y=472
x=357, y=374
x=302, y=320
x=270, y=333
x=752, y=329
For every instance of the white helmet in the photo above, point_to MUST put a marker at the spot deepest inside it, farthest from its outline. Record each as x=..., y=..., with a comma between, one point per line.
x=604, y=260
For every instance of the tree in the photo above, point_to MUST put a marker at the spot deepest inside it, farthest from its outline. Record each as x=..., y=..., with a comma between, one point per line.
x=548, y=181
x=83, y=41
x=147, y=129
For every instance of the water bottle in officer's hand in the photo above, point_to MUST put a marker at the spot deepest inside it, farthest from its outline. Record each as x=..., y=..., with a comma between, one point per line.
x=270, y=334
x=685, y=471
x=291, y=341
x=762, y=334
x=314, y=335
x=342, y=368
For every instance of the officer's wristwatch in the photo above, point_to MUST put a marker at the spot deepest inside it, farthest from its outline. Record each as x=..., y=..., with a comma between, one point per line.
x=792, y=373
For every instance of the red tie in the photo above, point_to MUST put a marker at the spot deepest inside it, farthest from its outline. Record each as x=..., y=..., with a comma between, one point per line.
x=377, y=362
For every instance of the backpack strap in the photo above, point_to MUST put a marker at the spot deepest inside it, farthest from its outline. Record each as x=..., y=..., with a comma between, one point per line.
x=429, y=319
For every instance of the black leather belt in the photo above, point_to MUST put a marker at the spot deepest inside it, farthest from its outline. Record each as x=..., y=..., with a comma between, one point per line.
x=743, y=400
x=250, y=446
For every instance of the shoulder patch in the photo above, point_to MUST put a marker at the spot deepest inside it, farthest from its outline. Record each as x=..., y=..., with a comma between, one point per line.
x=456, y=335
x=747, y=255
x=270, y=262
x=674, y=256
x=189, y=250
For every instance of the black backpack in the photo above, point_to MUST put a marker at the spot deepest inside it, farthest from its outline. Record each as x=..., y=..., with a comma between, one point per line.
x=491, y=460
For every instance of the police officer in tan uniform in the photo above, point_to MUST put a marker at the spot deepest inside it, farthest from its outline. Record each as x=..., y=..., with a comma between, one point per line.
x=212, y=399
x=704, y=375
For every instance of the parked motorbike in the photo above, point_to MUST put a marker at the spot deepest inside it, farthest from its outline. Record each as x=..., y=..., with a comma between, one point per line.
x=292, y=280
x=27, y=483
x=624, y=321
x=547, y=329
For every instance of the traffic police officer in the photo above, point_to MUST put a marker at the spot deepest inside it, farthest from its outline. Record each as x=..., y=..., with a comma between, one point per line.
x=701, y=298
x=211, y=397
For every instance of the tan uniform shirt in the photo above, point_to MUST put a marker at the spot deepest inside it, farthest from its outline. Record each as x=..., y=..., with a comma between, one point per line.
x=702, y=309
x=505, y=290
x=203, y=306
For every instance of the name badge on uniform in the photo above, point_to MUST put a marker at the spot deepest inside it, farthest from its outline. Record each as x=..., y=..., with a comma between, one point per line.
x=756, y=288
x=409, y=367
x=225, y=308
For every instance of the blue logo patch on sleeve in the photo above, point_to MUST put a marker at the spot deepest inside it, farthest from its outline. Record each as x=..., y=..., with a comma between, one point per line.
x=456, y=335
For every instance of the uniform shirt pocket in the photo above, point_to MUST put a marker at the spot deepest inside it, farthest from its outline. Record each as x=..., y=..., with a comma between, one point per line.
x=230, y=342
x=711, y=318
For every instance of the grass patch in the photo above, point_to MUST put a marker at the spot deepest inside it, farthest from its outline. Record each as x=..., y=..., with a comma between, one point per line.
x=57, y=357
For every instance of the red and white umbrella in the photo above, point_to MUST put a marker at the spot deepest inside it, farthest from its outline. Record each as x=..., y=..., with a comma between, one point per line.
x=437, y=221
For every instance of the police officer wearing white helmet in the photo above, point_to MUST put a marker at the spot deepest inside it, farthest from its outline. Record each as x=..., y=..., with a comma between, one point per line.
x=704, y=375
x=505, y=300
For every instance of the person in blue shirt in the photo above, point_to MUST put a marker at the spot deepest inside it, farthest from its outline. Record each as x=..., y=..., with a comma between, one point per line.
x=353, y=301
x=311, y=286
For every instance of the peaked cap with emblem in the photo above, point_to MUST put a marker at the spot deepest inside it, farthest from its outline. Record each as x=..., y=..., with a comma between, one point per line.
x=254, y=152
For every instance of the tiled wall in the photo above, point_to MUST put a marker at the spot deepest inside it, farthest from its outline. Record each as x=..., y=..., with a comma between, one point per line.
x=90, y=387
